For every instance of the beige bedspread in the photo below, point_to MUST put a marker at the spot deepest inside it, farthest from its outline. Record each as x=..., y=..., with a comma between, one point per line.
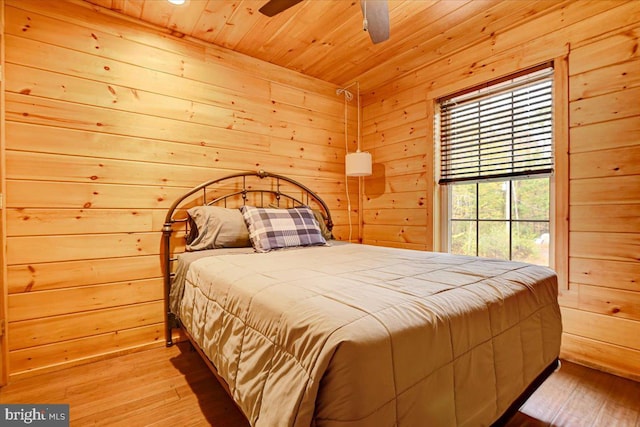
x=357, y=335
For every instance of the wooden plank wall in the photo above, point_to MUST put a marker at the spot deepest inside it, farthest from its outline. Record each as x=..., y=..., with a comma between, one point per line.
x=108, y=121
x=3, y=215
x=601, y=310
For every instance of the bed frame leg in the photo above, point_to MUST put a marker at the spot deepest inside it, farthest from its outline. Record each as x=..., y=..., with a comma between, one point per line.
x=170, y=324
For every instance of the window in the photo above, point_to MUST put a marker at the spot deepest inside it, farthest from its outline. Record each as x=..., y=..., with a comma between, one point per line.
x=504, y=219
x=496, y=157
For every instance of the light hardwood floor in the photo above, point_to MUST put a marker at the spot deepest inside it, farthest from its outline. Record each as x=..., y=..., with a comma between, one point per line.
x=173, y=387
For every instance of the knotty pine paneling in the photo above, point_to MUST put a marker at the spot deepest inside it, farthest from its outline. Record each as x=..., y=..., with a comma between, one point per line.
x=393, y=184
x=604, y=108
x=25, y=278
x=612, y=78
x=514, y=47
x=617, y=218
x=108, y=122
x=609, y=274
x=607, y=246
x=611, y=134
x=602, y=355
x=600, y=39
x=610, y=190
x=29, y=333
x=414, y=217
x=4, y=366
x=450, y=40
x=605, y=163
x=613, y=302
x=23, y=250
x=606, y=52
x=614, y=330
x=35, y=222
x=88, y=195
x=37, y=305
x=395, y=233
x=30, y=361
x=412, y=147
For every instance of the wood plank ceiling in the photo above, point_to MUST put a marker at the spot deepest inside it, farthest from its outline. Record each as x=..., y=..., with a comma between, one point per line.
x=324, y=38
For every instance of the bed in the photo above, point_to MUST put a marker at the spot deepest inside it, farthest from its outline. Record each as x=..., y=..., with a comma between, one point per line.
x=303, y=330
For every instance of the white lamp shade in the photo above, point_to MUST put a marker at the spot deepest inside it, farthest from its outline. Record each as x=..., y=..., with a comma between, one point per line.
x=358, y=163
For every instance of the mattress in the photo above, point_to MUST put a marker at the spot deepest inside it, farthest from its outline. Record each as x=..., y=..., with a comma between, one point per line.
x=357, y=335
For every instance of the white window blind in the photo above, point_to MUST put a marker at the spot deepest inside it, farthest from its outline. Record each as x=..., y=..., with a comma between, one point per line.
x=501, y=131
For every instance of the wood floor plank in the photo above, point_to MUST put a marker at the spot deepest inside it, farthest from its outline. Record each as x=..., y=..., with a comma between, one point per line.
x=622, y=407
x=585, y=404
x=165, y=386
x=549, y=398
x=173, y=387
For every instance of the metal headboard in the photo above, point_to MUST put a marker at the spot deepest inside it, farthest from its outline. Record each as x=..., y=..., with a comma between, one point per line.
x=208, y=188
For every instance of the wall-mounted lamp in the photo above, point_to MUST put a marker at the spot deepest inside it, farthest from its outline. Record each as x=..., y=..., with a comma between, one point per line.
x=177, y=2
x=358, y=164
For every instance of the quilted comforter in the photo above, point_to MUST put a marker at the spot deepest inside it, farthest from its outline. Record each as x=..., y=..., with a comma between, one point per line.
x=356, y=335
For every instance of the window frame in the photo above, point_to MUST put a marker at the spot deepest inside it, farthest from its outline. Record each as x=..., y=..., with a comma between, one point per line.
x=558, y=180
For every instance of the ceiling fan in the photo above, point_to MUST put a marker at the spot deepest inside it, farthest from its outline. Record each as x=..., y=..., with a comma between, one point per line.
x=375, y=15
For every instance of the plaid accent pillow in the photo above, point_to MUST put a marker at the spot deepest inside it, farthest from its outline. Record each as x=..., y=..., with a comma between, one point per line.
x=271, y=228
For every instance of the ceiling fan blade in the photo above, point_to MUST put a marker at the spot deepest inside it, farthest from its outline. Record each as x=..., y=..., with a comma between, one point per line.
x=274, y=7
x=376, y=15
